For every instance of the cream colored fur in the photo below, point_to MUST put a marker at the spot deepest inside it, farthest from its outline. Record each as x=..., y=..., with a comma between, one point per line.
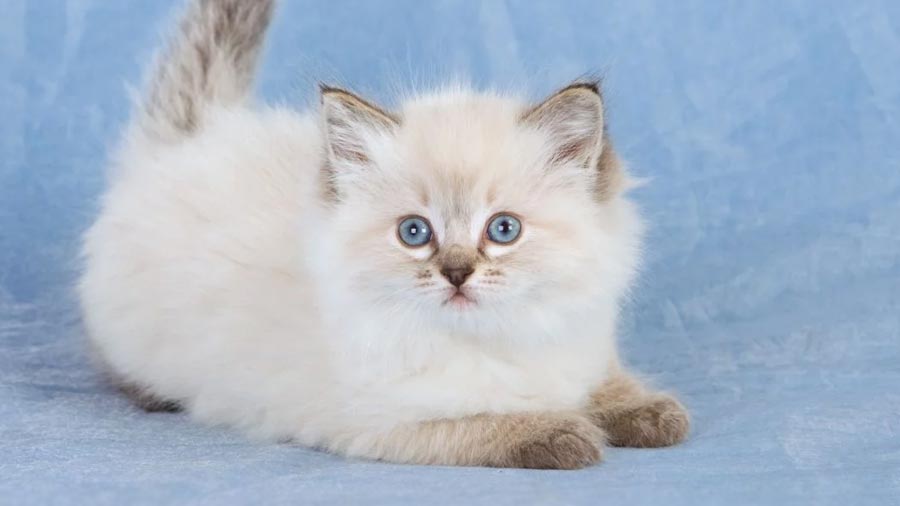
x=245, y=263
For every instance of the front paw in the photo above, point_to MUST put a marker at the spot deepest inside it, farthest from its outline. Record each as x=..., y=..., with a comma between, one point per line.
x=657, y=420
x=556, y=442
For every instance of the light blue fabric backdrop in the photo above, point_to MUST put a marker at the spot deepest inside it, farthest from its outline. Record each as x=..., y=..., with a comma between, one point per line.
x=770, y=131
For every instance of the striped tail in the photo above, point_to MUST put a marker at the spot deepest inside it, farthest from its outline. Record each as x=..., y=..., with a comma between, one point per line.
x=210, y=61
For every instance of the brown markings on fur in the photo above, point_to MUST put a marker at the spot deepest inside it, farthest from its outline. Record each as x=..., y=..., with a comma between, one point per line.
x=147, y=401
x=636, y=417
x=139, y=395
x=610, y=179
x=579, y=86
x=491, y=195
x=578, y=100
x=327, y=188
x=551, y=440
x=491, y=276
x=367, y=110
x=610, y=176
x=456, y=261
x=211, y=59
x=457, y=257
x=424, y=198
x=351, y=112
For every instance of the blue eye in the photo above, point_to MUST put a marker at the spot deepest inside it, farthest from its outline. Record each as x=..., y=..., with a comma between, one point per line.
x=414, y=231
x=504, y=229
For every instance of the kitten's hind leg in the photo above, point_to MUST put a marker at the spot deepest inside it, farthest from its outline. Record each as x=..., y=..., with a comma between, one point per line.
x=148, y=401
x=544, y=440
x=634, y=416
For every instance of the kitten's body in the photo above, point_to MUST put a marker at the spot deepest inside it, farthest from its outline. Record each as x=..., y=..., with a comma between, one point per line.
x=244, y=267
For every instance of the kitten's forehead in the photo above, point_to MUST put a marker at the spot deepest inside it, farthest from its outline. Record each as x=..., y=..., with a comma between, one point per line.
x=462, y=106
x=462, y=148
x=460, y=131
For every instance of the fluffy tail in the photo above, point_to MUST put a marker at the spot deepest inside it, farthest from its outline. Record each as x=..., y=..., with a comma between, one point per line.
x=211, y=61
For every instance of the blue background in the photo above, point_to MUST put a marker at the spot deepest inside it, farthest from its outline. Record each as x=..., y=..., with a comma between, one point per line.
x=770, y=131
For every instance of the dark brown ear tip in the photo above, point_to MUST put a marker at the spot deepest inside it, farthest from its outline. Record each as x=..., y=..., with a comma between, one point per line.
x=592, y=86
x=325, y=89
x=347, y=99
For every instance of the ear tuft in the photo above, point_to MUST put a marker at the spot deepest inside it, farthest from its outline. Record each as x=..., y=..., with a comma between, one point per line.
x=349, y=123
x=573, y=118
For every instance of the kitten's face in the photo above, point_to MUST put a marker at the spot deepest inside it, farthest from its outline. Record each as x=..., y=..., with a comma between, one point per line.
x=472, y=213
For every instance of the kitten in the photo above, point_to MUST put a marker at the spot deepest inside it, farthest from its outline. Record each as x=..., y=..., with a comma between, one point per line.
x=435, y=285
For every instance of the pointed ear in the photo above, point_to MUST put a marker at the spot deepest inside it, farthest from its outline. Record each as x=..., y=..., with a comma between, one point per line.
x=573, y=118
x=350, y=124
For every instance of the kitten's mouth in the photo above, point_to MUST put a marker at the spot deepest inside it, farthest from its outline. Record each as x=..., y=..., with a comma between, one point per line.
x=460, y=300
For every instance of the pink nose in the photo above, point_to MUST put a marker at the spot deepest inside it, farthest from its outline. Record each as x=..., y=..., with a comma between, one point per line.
x=457, y=275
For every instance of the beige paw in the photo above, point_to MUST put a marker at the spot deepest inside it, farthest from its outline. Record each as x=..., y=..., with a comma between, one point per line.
x=557, y=442
x=659, y=421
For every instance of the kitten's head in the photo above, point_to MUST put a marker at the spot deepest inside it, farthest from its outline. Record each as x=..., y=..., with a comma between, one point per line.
x=477, y=213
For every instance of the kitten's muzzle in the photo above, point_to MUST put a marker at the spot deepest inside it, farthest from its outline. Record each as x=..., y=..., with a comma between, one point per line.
x=457, y=264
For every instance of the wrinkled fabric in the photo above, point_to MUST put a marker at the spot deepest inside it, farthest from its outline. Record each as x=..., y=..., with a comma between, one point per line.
x=768, y=133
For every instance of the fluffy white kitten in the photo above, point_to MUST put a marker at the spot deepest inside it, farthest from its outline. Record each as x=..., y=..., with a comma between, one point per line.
x=436, y=285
